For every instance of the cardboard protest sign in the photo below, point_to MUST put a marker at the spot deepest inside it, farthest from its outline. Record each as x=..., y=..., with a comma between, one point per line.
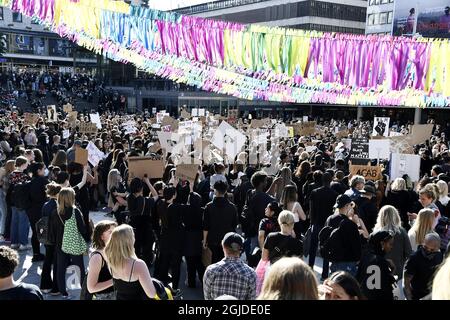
x=367, y=171
x=51, y=113
x=186, y=171
x=95, y=118
x=402, y=164
x=185, y=114
x=420, y=133
x=305, y=128
x=381, y=126
x=342, y=134
x=379, y=149
x=138, y=167
x=94, y=154
x=31, y=119
x=81, y=156
x=359, y=154
x=88, y=128
x=67, y=108
x=155, y=147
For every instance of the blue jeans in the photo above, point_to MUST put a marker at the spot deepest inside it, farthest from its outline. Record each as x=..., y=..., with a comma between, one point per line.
x=20, y=226
x=349, y=267
x=250, y=244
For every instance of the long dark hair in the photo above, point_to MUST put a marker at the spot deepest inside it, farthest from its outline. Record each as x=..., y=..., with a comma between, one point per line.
x=348, y=283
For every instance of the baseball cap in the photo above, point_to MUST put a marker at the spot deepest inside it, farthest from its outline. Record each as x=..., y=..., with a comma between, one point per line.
x=233, y=241
x=77, y=143
x=342, y=201
x=369, y=189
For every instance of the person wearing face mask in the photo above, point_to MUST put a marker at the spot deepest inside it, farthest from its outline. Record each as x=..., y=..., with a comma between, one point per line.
x=374, y=271
x=421, y=266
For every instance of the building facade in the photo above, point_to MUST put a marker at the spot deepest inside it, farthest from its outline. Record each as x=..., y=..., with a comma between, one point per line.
x=346, y=16
x=380, y=17
x=26, y=44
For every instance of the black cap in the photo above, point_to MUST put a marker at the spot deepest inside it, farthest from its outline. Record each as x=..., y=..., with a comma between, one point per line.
x=233, y=241
x=342, y=201
x=368, y=189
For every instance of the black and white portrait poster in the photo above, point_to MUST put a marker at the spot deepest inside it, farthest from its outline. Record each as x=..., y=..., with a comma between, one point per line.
x=381, y=126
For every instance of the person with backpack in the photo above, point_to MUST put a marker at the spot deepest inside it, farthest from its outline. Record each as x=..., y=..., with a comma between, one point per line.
x=49, y=283
x=339, y=240
x=283, y=243
x=71, y=237
x=99, y=278
x=20, y=195
x=37, y=200
x=140, y=212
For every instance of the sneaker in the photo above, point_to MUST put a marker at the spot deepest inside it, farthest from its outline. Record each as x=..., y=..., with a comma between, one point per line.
x=38, y=257
x=14, y=246
x=55, y=293
x=46, y=291
x=24, y=247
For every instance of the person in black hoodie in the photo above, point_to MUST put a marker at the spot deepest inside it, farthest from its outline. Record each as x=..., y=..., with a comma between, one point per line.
x=65, y=209
x=193, y=245
x=37, y=200
x=367, y=209
x=375, y=273
x=220, y=217
x=140, y=209
x=43, y=145
x=346, y=245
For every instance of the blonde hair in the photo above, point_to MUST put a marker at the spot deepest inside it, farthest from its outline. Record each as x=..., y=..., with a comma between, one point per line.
x=120, y=247
x=430, y=191
x=286, y=217
x=398, y=184
x=388, y=219
x=113, y=179
x=443, y=188
x=441, y=282
x=66, y=199
x=289, y=279
x=10, y=165
x=423, y=224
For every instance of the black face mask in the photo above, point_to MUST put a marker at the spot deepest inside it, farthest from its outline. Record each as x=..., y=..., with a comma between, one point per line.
x=428, y=255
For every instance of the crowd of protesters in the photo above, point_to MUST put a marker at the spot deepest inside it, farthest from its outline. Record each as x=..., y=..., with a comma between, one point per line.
x=242, y=229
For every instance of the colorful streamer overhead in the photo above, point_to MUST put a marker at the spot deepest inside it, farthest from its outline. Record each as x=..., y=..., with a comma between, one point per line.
x=255, y=62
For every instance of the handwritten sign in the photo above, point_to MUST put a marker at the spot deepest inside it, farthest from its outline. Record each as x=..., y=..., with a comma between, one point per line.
x=31, y=119
x=94, y=154
x=138, y=167
x=72, y=118
x=186, y=171
x=368, y=172
x=95, y=118
x=67, y=108
x=51, y=113
x=88, y=128
x=155, y=147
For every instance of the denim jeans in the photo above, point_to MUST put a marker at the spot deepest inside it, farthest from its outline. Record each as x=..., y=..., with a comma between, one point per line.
x=349, y=267
x=3, y=212
x=250, y=244
x=20, y=226
x=313, y=249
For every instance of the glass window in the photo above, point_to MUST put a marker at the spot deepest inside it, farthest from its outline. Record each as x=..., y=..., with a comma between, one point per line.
x=384, y=1
x=1, y=13
x=376, y=19
x=371, y=19
x=389, y=18
x=383, y=18
x=17, y=17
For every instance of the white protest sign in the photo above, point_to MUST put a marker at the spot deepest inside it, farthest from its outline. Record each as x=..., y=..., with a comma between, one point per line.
x=305, y=118
x=228, y=138
x=94, y=154
x=379, y=148
x=402, y=164
x=381, y=126
x=194, y=112
x=65, y=134
x=395, y=134
x=95, y=118
x=201, y=112
x=168, y=140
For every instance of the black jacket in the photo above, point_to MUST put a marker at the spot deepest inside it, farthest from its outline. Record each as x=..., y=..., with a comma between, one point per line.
x=339, y=187
x=349, y=247
x=386, y=281
x=219, y=218
x=321, y=205
x=38, y=196
x=402, y=202
x=368, y=212
x=56, y=226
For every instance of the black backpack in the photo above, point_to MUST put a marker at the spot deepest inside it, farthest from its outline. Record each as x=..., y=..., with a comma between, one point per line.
x=248, y=217
x=329, y=239
x=42, y=231
x=21, y=195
